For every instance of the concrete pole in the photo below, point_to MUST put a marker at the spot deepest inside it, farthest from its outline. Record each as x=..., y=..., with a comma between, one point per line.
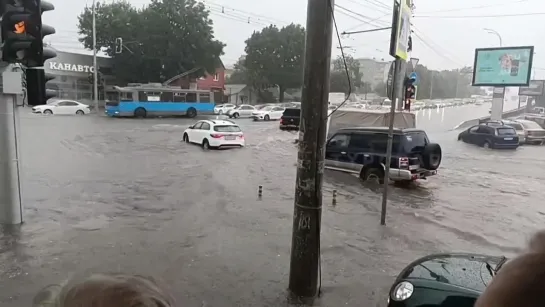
x=305, y=250
x=95, y=68
x=11, y=211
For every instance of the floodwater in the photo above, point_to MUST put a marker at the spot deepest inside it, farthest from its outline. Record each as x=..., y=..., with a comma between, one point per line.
x=126, y=195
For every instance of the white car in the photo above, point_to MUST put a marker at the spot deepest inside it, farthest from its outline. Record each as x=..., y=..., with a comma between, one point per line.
x=215, y=134
x=243, y=110
x=268, y=113
x=62, y=107
x=223, y=108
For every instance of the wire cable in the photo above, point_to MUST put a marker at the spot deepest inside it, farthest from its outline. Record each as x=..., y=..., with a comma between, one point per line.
x=481, y=16
x=344, y=62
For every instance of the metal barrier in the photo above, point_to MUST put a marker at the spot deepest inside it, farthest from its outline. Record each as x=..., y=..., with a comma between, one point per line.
x=476, y=121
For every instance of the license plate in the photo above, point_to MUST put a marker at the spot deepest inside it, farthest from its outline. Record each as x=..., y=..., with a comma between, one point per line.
x=412, y=167
x=507, y=139
x=230, y=137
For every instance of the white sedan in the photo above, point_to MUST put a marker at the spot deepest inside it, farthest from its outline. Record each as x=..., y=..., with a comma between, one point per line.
x=243, y=110
x=62, y=107
x=268, y=113
x=215, y=134
x=223, y=108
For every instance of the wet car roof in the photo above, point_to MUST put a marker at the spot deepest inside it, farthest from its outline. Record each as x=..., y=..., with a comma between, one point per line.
x=380, y=129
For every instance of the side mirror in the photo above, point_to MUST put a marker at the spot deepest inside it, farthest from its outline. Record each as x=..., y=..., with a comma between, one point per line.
x=190, y=127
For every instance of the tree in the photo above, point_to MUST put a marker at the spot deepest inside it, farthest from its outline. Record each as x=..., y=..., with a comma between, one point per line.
x=164, y=39
x=356, y=76
x=274, y=57
x=239, y=75
x=338, y=82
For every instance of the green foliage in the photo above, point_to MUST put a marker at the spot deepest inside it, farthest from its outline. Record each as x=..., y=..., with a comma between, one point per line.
x=356, y=76
x=161, y=40
x=446, y=83
x=274, y=57
x=239, y=76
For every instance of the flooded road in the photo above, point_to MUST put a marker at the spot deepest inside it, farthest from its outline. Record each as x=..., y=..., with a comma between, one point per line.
x=126, y=195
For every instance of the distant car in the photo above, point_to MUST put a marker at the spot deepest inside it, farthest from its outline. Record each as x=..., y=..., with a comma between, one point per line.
x=290, y=119
x=519, y=128
x=491, y=135
x=533, y=133
x=443, y=280
x=215, y=134
x=243, y=110
x=268, y=113
x=223, y=108
x=62, y=107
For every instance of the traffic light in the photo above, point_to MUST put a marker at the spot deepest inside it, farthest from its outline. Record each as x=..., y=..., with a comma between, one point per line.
x=410, y=89
x=23, y=32
x=119, y=45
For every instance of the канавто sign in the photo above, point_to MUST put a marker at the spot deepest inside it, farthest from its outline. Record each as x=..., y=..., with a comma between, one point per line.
x=534, y=89
x=504, y=66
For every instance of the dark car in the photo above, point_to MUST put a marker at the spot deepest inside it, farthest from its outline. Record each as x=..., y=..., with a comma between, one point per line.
x=363, y=151
x=491, y=135
x=290, y=119
x=444, y=280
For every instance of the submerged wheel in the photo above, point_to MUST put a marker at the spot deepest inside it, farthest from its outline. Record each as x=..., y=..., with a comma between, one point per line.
x=140, y=113
x=191, y=112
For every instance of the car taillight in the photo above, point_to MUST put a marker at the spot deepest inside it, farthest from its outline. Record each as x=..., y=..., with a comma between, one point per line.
x=404, y=162
x=241, y=136
x=216, y=136
x=281, y=121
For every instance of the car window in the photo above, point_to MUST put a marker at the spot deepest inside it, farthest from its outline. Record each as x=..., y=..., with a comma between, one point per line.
x=292, y=112
x=506, y=131
x=378, y=142
x=227, y=128
x=339, y=140
x=473, y=129
x=414, y=141
x=483, y=129
x=359, y=141
x=197, y=125
x=205, y=126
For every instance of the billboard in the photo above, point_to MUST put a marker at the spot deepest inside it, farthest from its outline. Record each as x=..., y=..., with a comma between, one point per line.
x=401, y=29
x=503, y=66
x=534, y=89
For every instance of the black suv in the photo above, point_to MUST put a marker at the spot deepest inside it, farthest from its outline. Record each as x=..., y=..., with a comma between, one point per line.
x=363, y=151
x=290, y=119
x=491, y=135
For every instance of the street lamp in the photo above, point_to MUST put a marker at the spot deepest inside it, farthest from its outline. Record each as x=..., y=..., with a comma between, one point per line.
x=95, y=68
x=490, y=31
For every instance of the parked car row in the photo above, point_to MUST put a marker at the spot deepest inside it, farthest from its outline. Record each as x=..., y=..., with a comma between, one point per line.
x=507, y=134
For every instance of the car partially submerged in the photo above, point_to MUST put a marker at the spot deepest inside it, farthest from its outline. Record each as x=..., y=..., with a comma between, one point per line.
x=444, y=280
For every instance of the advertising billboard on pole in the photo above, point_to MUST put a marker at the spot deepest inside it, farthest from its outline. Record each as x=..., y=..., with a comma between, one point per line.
x=503, y=66
x=534, y=89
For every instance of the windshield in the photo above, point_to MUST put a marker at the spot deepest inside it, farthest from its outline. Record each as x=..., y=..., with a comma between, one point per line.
x=516, y=126
x=411, y=142
x=467, y=272
x=292, y=112
x=531, y=125
x=506, y=131
x=227, y=128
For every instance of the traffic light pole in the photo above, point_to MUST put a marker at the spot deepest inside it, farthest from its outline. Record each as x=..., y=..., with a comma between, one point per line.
x=95, y=68
x=305, y=246
x=11, y=211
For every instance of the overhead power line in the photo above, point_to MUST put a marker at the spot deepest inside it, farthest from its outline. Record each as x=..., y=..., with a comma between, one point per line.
x=475, y=7
x=481, y=16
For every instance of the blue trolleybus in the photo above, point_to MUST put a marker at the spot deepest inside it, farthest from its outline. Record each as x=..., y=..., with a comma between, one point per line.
x=143, y=100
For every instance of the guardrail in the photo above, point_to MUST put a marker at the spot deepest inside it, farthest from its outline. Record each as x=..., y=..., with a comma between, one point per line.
x=476, y=121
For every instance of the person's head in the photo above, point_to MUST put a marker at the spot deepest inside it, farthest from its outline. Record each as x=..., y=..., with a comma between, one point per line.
x=520, y=282
x=101, y=290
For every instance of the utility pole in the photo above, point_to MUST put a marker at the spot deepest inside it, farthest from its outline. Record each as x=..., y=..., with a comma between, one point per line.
x=431, y=85
x=95, y=68
x=305, y=249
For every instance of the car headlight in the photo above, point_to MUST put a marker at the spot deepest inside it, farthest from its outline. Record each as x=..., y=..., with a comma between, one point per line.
x=402, y=291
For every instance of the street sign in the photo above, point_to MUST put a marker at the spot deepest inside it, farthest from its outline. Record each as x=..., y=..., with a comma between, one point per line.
x=414, y=76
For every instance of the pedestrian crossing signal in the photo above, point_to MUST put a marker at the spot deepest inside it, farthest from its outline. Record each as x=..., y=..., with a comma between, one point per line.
x=20, y=28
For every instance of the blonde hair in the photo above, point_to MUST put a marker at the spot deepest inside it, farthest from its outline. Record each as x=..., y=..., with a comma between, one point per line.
x=102, y=290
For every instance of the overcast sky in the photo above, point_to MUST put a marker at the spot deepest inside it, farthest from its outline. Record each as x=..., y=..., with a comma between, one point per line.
x=441, y=42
